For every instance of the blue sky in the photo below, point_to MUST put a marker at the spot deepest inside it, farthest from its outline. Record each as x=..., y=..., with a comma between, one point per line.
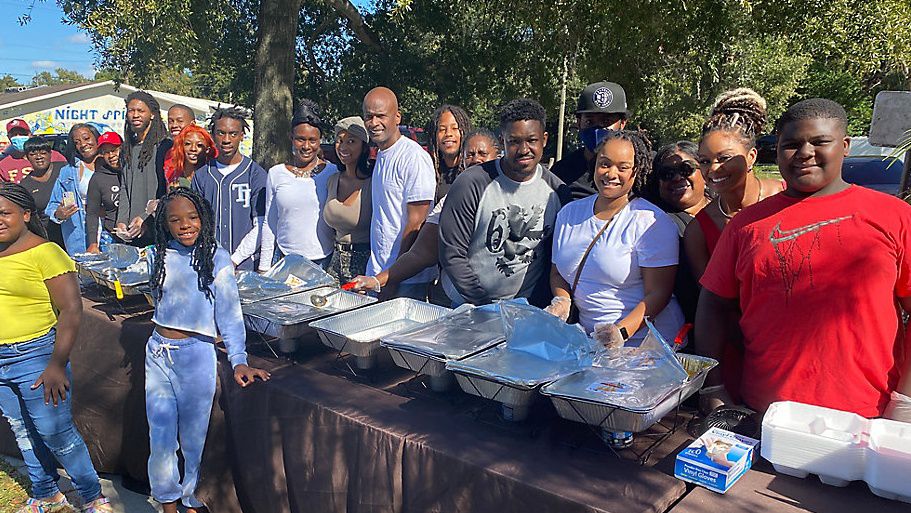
x=46, y=43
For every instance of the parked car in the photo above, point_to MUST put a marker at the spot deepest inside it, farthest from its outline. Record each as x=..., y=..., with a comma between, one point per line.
x=881, y=174
x=766, y=147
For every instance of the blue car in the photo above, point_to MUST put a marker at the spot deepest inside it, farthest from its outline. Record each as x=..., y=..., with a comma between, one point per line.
x=881, y=174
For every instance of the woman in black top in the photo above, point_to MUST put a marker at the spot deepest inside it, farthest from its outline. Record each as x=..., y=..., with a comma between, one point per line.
x=40, y=182
x=676, y=185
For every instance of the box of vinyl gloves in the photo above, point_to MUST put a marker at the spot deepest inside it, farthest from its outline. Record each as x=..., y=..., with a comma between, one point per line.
x=716, y=460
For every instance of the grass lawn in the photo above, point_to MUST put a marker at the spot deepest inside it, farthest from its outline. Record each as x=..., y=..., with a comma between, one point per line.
x=13, y=489
x=767, y=171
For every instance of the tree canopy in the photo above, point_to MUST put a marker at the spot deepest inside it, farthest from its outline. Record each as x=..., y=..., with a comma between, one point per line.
x=672, y=56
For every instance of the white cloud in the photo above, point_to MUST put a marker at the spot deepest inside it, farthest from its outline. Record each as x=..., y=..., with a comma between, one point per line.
x=79, y=38
x=45, y=64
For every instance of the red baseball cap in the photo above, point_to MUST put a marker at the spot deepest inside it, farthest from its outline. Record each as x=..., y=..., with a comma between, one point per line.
x=110, y=138
x=18, y=123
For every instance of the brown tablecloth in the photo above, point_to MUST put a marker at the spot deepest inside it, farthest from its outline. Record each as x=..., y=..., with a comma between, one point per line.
x=761, y=489
x=316, y=439
x=313, y=439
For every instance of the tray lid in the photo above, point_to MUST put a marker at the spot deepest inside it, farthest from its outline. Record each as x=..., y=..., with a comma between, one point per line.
x=460, y=333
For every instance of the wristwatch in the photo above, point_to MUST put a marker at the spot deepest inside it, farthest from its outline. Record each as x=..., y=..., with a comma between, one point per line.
x=624, y=333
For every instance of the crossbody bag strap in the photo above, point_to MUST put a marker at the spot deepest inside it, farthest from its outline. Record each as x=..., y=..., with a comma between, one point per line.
x=588, y=250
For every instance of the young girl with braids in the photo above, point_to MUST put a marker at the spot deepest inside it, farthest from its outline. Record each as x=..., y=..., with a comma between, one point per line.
x=615, y=254
x=196, y=301
x=41, y=312
x=727, y=152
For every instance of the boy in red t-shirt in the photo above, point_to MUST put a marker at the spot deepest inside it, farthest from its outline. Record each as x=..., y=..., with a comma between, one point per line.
x=810, y=282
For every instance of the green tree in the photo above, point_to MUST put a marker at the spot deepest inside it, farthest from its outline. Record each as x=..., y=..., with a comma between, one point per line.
x=59, y=76
x=8, y=81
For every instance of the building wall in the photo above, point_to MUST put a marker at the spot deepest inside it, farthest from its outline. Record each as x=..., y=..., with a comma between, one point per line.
x=101, y=106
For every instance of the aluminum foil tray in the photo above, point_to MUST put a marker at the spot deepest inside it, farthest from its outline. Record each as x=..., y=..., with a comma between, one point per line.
x=516, y=396
x=290, y=275
x=359, y=333
x=456, y=335
x=287, y=317
x=614, y=418
x=514, y=367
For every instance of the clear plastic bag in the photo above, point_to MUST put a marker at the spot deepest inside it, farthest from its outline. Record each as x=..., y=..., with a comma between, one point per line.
x=464, y=331
x=299, y=273
x=534, y=331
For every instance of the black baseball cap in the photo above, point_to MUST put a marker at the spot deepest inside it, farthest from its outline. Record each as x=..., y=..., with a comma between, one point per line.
x=603, y=97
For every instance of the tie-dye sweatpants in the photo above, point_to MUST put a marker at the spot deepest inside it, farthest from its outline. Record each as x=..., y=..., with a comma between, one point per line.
x=180, y=387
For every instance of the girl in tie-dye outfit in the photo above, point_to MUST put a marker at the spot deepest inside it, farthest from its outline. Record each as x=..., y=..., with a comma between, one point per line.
x=196, y=300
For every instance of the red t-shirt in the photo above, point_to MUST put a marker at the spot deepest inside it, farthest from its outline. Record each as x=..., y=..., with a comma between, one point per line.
x=14, y=170
x=817, y=280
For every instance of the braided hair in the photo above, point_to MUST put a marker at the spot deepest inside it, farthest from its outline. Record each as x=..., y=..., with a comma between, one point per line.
x=461, y=118
x=20, y=196
x=70, y=151
x=741, y=111
x=203, y=260
x=642, y=159
x=157, y=130
x=235, y=112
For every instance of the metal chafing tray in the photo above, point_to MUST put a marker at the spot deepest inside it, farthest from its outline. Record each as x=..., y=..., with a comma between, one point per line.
x=287, y=317
x=454, y=336
x=575, y=400
x=290, y=275
x=509, y=377
x=358, y=333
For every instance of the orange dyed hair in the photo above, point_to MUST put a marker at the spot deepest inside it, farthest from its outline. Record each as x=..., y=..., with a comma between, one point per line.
x=176, y=158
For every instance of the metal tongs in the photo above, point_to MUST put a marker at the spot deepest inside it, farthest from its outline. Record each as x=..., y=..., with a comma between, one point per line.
x=320, y=301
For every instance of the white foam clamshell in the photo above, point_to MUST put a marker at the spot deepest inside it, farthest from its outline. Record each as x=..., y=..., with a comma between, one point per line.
x=359, y=332
x=840, y=447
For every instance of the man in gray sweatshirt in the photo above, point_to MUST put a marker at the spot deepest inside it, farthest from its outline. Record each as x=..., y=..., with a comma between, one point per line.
x=498, y=220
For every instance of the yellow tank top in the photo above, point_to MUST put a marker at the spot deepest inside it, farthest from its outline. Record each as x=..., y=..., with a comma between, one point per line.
x=26, y=311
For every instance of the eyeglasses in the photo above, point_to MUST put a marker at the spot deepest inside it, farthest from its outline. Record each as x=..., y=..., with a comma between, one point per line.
x=669, y=172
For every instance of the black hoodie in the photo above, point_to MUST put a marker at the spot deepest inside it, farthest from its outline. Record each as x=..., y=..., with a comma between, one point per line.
x=101, y=201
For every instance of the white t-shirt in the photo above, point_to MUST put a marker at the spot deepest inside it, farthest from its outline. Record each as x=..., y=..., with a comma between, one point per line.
x=403, y=174
x=640, y=235
x=225, y=169
x=293, y=215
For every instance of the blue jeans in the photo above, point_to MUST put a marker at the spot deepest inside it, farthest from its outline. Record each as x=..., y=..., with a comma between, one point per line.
x=180, y=388
x=43, y=432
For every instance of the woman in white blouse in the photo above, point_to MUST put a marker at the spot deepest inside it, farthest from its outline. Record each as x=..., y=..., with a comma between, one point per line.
x=629, y=247
x=296, y=194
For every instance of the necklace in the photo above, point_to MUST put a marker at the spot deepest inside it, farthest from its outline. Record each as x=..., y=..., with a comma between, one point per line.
x=303, y=172
x=723, y=210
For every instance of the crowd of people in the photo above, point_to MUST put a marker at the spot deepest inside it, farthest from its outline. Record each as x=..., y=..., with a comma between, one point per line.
x=798, y=286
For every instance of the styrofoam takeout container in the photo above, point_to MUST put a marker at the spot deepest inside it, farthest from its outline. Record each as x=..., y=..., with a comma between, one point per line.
x=840, y=447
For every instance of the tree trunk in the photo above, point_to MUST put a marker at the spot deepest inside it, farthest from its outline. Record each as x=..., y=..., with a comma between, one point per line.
x=273, y=87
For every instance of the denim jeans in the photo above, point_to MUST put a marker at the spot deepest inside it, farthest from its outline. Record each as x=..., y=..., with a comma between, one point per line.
x=180, y=388
x=43, y=432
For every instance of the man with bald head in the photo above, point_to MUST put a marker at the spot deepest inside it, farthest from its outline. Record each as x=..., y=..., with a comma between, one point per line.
x=403, y=187
x=179, y=116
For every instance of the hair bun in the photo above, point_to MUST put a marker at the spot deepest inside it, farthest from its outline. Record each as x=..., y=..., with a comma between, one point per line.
x=741, y=109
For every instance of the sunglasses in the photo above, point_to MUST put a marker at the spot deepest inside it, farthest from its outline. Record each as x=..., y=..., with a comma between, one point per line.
x=683, y=169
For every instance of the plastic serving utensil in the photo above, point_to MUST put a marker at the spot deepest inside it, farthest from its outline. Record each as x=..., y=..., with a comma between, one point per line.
x=320, y=301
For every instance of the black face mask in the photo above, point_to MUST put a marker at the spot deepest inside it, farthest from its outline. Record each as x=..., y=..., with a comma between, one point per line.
x=669, y=172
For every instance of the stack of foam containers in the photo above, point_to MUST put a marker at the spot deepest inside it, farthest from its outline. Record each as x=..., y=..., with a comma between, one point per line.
x=840, y=447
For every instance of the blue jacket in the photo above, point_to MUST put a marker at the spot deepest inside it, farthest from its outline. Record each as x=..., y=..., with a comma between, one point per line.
x=73, y=228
